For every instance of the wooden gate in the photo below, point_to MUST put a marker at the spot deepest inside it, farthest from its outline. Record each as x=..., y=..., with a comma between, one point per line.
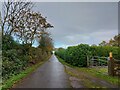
x=97, y=61
x=113, y=64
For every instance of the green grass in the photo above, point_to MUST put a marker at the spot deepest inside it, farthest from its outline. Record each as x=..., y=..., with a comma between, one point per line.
x=100, y=73
x=87, y=82
x=63, y=62
x=95, y=72
x=14, y=79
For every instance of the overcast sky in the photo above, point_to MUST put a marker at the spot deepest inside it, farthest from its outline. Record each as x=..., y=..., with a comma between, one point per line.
x=80, y=22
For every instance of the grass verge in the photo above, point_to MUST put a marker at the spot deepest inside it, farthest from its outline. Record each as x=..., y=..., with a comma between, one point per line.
x=14, y=79
x=95, y=72
x=100, y=74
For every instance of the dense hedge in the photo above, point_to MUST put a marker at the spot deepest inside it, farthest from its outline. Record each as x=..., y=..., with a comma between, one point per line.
x=77, y=55
x=13, y=63
x=104, y=51
x=17, y=57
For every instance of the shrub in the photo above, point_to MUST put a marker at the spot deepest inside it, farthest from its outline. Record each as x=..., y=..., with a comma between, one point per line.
x=12, y=63
x=77, y=55
x=105, y=50
x=17, y=57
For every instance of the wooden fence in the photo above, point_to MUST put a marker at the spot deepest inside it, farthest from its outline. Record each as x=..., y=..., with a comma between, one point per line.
x=113, y=64
x=97, y=61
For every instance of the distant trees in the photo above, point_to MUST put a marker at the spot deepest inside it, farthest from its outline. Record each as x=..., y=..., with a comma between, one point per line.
x=112, y=42
x=103, y=43
x=46, y=42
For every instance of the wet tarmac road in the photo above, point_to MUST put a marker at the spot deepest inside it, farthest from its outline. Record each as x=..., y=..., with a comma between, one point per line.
x=50, y=75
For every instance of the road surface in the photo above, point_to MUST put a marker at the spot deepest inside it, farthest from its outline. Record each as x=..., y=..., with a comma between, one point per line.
x=50, y=75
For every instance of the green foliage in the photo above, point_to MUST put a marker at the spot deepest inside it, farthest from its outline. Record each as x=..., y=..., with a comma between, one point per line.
x=46, y=42
x=37, y=54
x=17, y=57
x=8, y=42
x=105, y=50
x=77, y=55
x=98, y=72
x=9, y=82
x=13, y=63
x=60, y=53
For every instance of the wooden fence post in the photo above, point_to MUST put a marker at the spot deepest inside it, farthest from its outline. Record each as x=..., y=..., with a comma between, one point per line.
x=111, y=65
x=88, y=62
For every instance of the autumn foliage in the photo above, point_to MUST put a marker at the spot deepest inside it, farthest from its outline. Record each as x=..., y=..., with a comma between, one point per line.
x=21, y=28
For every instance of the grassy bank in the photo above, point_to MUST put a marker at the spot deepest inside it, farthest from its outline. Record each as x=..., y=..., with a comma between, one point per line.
x=96, y=72
x=100, y=73
x=14, y=79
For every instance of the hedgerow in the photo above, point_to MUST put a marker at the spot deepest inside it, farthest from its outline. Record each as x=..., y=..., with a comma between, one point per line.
x=105, y=50
x=77, y=55
x=17, y=57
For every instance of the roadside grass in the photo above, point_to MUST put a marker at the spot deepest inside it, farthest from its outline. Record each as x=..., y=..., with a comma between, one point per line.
x=87, y=83
x=98, y=72
x=16, y=78
x=63, y=62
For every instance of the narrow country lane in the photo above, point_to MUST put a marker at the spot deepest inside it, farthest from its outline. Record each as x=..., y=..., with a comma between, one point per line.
x=49, y=75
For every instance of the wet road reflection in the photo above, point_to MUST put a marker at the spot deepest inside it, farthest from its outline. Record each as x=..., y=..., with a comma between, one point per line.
x=49, y=75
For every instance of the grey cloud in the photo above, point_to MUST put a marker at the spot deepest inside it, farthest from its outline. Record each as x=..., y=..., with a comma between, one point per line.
x=75, y=23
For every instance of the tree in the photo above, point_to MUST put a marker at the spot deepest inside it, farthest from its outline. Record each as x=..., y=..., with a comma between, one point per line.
x=32, y=29
x=46, y=42
x=20, y=21
x=93, y=45
x=12, y=14
x=103, y=43
x=115, y=41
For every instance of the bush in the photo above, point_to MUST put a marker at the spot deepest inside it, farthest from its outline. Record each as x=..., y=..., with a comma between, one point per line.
x=77, y=55
x=17, y=57
x=12, y=63
x=36, y=54
x=61, y=53
x=13, y=58
x=105, y=50
x=8, y=43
